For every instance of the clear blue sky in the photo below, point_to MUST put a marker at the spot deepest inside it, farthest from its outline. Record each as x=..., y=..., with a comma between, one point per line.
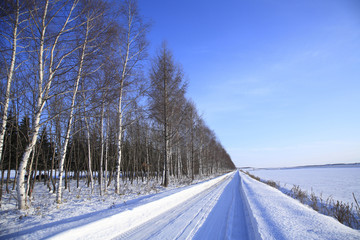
x=277, y=80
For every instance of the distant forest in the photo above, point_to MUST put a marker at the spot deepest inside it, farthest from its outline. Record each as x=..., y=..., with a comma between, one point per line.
x=80, y=95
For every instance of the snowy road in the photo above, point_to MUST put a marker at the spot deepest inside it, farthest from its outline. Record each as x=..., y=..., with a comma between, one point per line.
x=216, y=213
x=229, y=218
x=212, y=208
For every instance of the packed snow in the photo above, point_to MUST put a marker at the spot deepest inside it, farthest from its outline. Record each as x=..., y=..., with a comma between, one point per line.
x=184, y=221
x=229, y=218
x=232, y=206
x=338, y=182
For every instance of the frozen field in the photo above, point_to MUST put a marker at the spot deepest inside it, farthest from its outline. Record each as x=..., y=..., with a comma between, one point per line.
x=338, y=181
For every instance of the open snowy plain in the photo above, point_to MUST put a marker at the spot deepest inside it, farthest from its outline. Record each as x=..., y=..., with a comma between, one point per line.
x=338, y=181
x=232, y=206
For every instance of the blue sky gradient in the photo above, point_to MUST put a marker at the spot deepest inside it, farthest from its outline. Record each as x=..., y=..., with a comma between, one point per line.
x=277, y=80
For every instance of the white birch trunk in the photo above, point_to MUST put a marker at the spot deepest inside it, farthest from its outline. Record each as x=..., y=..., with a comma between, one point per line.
x=132, y=36
x=119, y=143
x=21, y=188
x=21, y=183
x=69, y=124
x=120, y=111
x=43, y=95
x=9, y=80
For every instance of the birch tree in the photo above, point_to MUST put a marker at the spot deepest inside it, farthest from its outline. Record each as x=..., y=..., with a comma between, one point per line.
x=14, y=20
x=46, y=38
x=131, y=51
x=92, y=30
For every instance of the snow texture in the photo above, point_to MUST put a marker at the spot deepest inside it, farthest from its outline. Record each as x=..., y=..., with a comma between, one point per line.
x=115, y=225
x=183, y=221
x=278, y=216
x=228, y=219
x=337, y=182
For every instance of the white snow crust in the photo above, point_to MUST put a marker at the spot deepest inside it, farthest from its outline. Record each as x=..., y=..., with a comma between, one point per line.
x=278, y=216
x=337, y=182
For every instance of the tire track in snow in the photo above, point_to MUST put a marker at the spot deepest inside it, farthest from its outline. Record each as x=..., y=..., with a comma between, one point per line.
x=115, y=225
x=183, y=221
x=228, y=219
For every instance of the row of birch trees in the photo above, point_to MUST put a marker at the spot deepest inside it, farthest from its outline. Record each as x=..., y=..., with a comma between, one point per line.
x=76, y=101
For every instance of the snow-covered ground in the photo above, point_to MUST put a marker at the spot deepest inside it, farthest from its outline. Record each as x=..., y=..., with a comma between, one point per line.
x=79, y=206
x=77, y=203
x=337, y=182
x=275, y=215
x=232, y=206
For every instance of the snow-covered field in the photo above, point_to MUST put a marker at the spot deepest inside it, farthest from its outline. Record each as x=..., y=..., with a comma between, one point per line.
x=274, y=215
x=337, y=181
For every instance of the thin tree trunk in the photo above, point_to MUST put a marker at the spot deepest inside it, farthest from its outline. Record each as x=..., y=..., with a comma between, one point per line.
x=53, y=182
x=179, y=162
x=9, y=160
x=71, y=116
x=200, y=160
x=131, y=40
x=120, y=128
x=17, y=154
x=1, y=182
x=32, y=183
x=102, y=148
x=147, y=166
x=107, y=150
x=166, y=134
x=8, y=177
x=90, y=173
x=30, y=174
x=9, y=79
x=158, y=167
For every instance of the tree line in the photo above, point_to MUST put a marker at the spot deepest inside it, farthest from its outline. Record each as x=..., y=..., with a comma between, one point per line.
x=75, y=100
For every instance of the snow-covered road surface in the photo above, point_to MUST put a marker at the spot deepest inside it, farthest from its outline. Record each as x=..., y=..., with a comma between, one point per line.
x=184, y=221
x=229, y=217
x=216, y=213
x=177, y=216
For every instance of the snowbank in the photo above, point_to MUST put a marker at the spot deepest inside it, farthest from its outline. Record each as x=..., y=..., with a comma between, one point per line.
x=278, y=216
x=115, y=225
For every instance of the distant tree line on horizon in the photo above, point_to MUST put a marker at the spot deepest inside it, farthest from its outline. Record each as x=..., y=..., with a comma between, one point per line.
x=75, y=99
